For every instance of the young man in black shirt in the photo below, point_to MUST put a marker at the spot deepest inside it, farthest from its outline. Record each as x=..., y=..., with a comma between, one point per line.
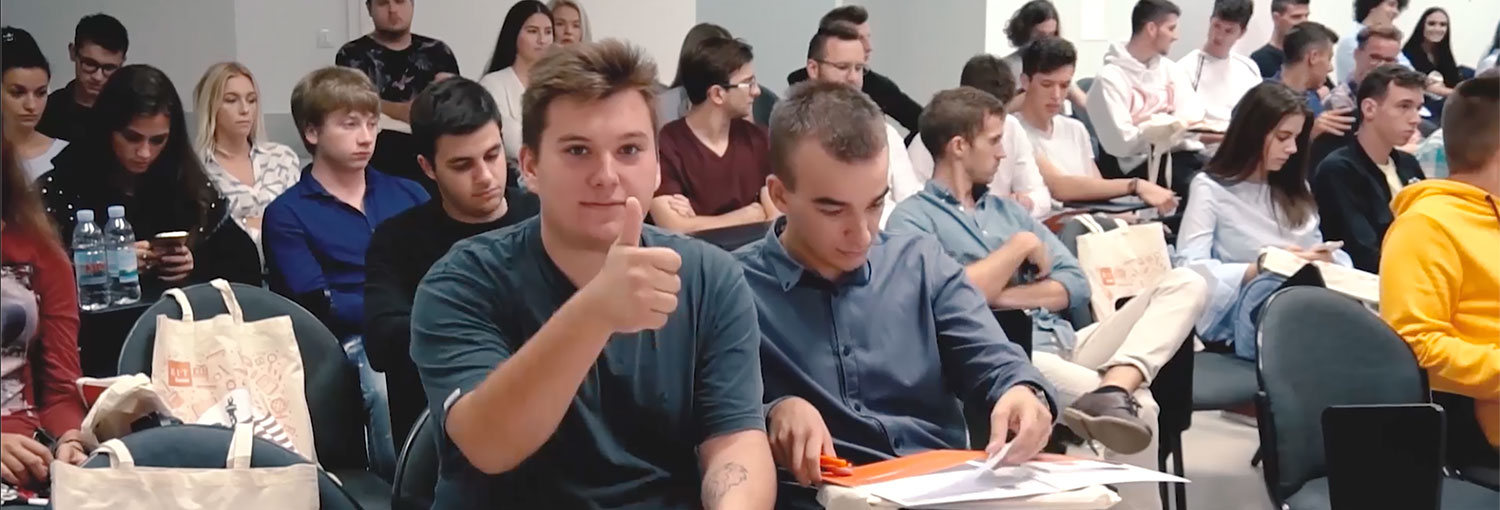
x=98, y=50
x=1285, y=14
x=456, y=133
x=401, y=64
x=1355, y=184
x=886, y=93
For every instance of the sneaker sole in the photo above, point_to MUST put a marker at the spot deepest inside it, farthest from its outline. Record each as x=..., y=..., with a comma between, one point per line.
x=1120, y=435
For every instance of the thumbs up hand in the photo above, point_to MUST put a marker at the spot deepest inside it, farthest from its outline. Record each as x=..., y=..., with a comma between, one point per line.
x=637, y=287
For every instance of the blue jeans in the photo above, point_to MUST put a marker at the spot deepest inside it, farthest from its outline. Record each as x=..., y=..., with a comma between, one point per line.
x=378, y=443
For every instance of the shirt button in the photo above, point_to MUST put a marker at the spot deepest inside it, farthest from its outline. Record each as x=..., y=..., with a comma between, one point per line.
x=847, y=351
x=857, y=408
x=898, y=443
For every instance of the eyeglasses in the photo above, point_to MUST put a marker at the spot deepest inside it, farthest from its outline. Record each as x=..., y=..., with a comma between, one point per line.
x=90, y=66
x=847, y=67
x=748, y=84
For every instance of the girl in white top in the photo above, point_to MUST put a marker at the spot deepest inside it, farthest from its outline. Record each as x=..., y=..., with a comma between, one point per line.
x=1247, y=199
x=23, y=101
x=524, y=38
x=247, y=168
x=569, y=23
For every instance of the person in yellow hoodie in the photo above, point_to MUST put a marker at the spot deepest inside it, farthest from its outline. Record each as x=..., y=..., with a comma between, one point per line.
x=1440, y=268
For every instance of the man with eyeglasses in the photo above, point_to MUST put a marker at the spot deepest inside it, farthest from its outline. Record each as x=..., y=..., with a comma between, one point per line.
x=713, y=161
x=1376, y=46
x=836, y=55
x=97, y=51
x=893, y=102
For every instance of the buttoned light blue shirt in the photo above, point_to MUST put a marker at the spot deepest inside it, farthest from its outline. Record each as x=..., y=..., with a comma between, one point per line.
x=970, y=236
x=889, y=353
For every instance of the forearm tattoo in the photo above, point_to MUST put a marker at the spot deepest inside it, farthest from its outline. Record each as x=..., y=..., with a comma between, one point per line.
x=720, y=481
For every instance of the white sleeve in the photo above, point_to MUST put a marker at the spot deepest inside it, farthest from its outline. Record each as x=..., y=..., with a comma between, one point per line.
x=903, y=180
x=1109, y=111
x=1028, y=178
x=921, y=158
x=508, y=102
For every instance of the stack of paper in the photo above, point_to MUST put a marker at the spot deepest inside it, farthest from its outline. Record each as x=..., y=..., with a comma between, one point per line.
x=969, y=482
x=1348, y=281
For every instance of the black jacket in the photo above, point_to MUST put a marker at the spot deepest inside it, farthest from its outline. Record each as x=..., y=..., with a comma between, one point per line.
x=1354, y=201
x=221, y=249
x=885, y=92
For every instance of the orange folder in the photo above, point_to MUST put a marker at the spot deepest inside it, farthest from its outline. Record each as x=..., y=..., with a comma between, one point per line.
x=924, y=463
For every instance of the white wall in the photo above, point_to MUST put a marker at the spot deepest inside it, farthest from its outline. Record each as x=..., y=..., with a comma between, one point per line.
x=180, y=37
x=281, y=49
x=923, y=45
x=778, y=29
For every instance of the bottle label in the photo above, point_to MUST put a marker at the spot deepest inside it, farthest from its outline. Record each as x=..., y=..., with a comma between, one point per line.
x=123, y=266
x=92, y=268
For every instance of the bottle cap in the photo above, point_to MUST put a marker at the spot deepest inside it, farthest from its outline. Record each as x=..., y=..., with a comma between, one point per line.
x=116, y=211
x=85, y=215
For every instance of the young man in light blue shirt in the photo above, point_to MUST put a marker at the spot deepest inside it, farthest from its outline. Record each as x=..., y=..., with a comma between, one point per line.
x=1101, y=371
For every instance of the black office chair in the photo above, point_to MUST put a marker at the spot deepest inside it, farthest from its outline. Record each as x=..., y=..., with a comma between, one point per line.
x=417, y=469
x=1319, y=349
x=205, y=447
x=1470, y=455
x=334, y=399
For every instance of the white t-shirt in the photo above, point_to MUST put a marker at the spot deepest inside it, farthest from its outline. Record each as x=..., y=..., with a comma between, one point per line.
x=1068, y=146
x=1018, y=171
x=39, y=165
x=1392, y=180
x=1220, y=82
x=902, y=180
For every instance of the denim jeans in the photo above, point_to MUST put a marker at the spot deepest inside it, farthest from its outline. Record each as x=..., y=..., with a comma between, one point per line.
x=378, y=442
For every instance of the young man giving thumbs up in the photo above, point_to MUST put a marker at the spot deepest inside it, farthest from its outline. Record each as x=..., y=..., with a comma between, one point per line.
x=580, y=359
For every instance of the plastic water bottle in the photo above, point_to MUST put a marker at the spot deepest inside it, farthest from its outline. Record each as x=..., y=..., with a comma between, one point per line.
x=119, y=239
x=90, y=264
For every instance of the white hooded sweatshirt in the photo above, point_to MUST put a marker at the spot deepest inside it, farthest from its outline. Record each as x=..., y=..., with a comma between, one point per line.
x=1128, y=93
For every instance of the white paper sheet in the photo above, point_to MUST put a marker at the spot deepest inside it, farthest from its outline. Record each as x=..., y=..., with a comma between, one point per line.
x=975, y=482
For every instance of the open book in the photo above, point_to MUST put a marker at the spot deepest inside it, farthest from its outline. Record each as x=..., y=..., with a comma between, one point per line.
x=950, y=478
x=1348, y=281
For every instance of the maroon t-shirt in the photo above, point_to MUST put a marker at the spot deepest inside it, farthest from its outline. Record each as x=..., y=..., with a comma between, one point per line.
x=714, y=184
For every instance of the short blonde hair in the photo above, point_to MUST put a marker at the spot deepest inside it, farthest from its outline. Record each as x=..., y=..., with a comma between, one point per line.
x=329, y=90
x=587, y=71
x=206, y=97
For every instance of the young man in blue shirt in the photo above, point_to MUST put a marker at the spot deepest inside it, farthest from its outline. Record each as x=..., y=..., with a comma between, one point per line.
x=580, y=359
x=870, y=341
x=1101, y=372
x=315, y=234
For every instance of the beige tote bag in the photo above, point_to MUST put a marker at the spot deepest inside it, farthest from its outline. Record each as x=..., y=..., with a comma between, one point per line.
x=1121, y=263
x=197, y=362
x=125, y=486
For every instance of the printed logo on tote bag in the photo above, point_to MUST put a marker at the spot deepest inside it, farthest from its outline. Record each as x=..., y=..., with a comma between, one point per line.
x=179, y=373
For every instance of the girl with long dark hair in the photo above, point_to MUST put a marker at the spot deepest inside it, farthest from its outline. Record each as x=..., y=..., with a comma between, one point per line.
x=135, y=152
x=39, y=359
x=1430, y=50
x=1252, y=195
x=524, y=38
x=24, y=101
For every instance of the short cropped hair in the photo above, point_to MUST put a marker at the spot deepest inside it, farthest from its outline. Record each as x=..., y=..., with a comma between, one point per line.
x=1471, y=124
x=586, y=71
x=453, y=107
x=710, y=64
x=817, y=48
x=328, y=90
x=1362, y=8
x=852, y=14
x=1236, y=11
x=838, y=117
x=1378, y=32
x=955, y=112
x=1381, y=79
x=990, y=75
x=1306, y=37
x=1047, y=55
x=1151, y=11
x=1280, y=6
x=101, y=30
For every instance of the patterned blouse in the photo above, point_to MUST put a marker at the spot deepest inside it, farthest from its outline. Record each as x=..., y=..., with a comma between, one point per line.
x=276, y=168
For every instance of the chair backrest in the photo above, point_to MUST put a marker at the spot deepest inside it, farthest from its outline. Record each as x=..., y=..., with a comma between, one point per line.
x=204, y=447
x=1320, y=349
x=415, y=483
x=334, y=400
